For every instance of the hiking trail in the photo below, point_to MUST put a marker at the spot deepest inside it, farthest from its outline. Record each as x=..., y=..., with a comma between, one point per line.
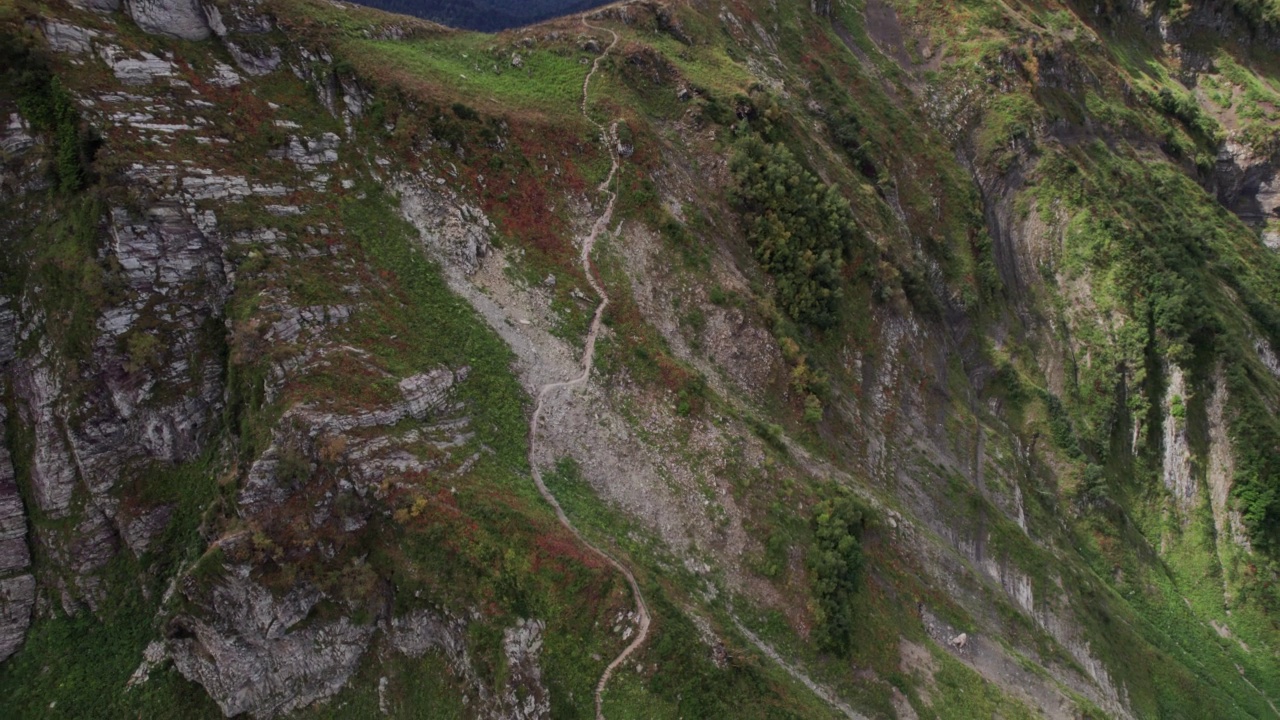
x=609, y=139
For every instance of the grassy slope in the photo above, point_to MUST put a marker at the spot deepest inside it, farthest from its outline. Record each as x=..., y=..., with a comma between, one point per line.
x=1171, y=226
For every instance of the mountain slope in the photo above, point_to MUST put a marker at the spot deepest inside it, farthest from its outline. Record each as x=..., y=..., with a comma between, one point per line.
x=937, y=376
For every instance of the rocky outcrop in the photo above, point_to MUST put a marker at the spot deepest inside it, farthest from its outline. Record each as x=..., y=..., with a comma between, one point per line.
x=79, y=554
x=19, y=178
x=236, y=27
x=176, y=283
x=425, y=397
x=14, y=555
x=1246, y=184
x=8, y=333
x=255, y=63
x=1220, y=474
x=1178, y=477
x=417, y=632
x=17, y=587
x=182, y=19
x=454, y=230
x=64, y=37
x=141, y=70
x=249, y=652
x=141, y=527
x=52, y=472
x=144, y=397
x=310, y=153
x=163, y=249
x=522, y=697
x=17, y=138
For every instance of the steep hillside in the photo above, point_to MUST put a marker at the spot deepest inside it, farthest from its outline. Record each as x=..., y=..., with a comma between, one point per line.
x=852, y=358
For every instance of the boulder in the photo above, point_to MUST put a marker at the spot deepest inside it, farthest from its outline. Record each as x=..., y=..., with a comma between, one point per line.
x=183, y=19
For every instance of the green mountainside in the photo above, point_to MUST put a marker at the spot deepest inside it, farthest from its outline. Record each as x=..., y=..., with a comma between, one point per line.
x=756, y=359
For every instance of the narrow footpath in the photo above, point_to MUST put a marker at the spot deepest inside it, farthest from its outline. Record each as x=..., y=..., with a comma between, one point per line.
x=609, y=139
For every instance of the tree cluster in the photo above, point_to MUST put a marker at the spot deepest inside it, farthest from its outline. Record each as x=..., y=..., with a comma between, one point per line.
x=802, y=230
x=836, y=562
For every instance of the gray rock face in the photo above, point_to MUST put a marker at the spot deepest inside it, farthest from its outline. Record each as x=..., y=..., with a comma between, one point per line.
x=68, y=38
x=255, y=63
x=425, y=395
x=296, y=320
x=250, y=656
x=140, y=530
x=146, y=395
x=522, y=697
x=16, y=138
x=52, y=473
x=452, y=229
x=420, y=631
x=17, y=596
x=173, y=273
x=309, y=153
x=226, y=75
x=1247, y=184
x=216, y=187
x=354, y=101
x=183, y=19
x=135, y=71
x=89, y=548
x=316, y=71
x=17, y=588
x=244, y=18
x=8, y=333
x=164, y=249
x=14, y=555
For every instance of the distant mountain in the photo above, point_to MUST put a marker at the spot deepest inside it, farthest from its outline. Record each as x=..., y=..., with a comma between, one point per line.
x=485, y=15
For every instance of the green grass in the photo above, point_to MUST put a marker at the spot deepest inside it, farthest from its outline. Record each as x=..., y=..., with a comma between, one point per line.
x=682, y=680
x=472, y=66
x=76, y=666
x=962, y=694
x=439, y=327
x=707, y=66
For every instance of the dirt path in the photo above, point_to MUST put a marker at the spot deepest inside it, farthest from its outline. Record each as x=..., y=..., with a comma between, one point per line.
x=608, y=138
